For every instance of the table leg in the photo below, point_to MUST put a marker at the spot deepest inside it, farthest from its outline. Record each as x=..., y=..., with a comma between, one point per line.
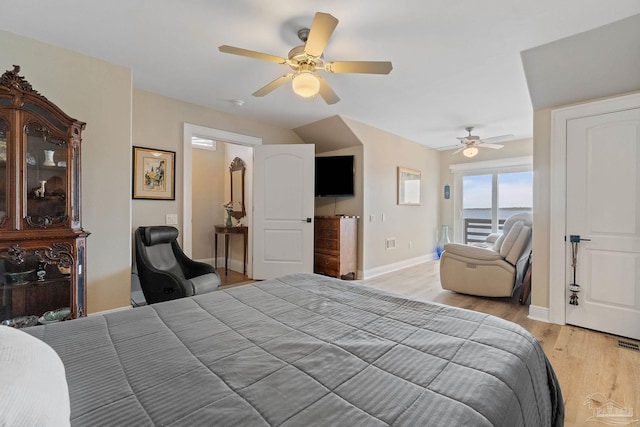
x=226, y=253
x=215, y=252
x=244, y=266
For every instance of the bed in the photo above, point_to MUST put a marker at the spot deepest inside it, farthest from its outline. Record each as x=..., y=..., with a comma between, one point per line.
x=302, y=350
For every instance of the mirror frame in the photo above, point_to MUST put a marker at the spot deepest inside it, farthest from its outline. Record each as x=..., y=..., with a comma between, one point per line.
x=406, y=175
x=237, y=165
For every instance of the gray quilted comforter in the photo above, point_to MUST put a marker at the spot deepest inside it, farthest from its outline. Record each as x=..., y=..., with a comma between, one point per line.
x=303, y=350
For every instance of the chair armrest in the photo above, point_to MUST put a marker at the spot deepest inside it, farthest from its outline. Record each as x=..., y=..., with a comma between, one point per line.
x=472, y=252
x=166, y=287
x=193, y=268
x=205, y=283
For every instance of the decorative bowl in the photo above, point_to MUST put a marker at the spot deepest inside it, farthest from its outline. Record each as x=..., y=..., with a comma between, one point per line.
x=55, y=315
x=21, y=321
x=20, y=277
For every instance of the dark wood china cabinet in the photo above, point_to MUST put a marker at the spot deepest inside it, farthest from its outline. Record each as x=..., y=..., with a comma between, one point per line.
x=42, y=243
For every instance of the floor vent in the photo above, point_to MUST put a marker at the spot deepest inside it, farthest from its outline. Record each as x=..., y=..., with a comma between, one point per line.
x=629, y=345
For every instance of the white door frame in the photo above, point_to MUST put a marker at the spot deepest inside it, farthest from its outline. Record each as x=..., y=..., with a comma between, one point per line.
x=187, y=197
x=558, y=196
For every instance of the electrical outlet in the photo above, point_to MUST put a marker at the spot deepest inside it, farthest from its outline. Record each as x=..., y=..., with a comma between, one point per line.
x=372, y=218
x=409, y=244
x=383, y=217
x=171, y=219
x=390, y=243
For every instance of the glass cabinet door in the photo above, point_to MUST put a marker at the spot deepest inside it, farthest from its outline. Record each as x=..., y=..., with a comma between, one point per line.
x=46, y=177
x=4, y=175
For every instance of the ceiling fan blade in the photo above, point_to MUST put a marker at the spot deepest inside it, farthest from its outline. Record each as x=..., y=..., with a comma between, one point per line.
x=321, y=29
x=366, y=67
x=252, y=54
x=270, y=87
x=488, y=145
x=326, y=92
x=499, y=138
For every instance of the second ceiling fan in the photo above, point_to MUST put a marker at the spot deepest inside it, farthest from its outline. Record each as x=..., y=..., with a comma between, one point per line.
x=306, y=60
x=472, y=142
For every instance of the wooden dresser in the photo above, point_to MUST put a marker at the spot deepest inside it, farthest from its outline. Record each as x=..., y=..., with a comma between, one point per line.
x=336, y=246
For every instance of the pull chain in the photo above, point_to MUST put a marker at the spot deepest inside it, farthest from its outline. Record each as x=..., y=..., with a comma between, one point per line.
x=574, y=287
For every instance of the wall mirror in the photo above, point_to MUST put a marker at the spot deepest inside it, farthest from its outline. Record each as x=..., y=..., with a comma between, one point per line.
x=408, y=186
x=237, y=171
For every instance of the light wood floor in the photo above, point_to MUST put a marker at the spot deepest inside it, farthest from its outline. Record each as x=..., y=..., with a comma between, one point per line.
x=232, y=278
x=587, y=363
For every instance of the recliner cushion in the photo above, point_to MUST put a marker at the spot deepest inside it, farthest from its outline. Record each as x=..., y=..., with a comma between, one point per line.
x=498, y=243
x=510, y=238
x=518, y=246
x=159, y=234
x=161, y=257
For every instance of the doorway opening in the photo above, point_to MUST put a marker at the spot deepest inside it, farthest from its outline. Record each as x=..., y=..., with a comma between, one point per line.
x=206, y=189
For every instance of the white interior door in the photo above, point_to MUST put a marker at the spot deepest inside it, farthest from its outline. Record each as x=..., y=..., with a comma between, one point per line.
x=603, y=205
x=283, y=206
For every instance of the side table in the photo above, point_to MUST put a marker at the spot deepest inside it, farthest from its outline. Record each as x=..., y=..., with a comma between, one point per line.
x=223, y=229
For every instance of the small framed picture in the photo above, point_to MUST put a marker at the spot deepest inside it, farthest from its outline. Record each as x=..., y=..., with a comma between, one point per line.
x=154, y=174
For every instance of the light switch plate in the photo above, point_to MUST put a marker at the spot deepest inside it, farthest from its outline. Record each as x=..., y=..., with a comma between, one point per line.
x=171, y=219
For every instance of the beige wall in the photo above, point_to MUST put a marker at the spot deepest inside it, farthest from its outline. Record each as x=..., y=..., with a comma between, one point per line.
x=98, y=93
x=208, y=175
x=541, y=208
x=414, y=226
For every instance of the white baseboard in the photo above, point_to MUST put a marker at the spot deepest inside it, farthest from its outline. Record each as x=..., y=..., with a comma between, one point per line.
x=234, y=264
x=539, y=313
x=390, y=268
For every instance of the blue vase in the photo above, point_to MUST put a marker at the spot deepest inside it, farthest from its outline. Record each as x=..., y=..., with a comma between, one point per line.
x=444, y=239
x=228, y=223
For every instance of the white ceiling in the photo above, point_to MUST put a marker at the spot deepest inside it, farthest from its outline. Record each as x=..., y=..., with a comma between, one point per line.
x=455, y=63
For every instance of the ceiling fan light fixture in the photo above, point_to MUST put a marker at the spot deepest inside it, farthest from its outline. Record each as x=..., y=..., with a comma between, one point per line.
x=305, y=84
x=470, y=151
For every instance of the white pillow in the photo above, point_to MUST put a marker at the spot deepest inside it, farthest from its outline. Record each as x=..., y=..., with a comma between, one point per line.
x=510, y=238
x=33, y=386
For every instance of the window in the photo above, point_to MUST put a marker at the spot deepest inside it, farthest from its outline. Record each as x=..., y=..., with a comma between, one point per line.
x=488, y=194
x=203, y=143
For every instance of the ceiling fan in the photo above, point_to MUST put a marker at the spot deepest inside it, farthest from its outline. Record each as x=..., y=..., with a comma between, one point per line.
x=305, y=60
x=472, y=142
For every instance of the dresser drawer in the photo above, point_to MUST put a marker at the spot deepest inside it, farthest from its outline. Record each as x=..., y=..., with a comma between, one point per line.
x=327, y=264
x=326, y=244
x=326, y=233
x=328, y=223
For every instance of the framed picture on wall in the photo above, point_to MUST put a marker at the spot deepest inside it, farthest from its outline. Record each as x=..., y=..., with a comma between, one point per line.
x=409, y=186
x=154, y=174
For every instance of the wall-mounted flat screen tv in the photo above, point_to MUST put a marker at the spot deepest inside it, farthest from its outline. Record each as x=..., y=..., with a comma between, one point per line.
x=334, y=176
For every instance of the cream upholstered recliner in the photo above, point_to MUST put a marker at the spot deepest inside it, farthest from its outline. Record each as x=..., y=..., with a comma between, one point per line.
x=492, y=269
